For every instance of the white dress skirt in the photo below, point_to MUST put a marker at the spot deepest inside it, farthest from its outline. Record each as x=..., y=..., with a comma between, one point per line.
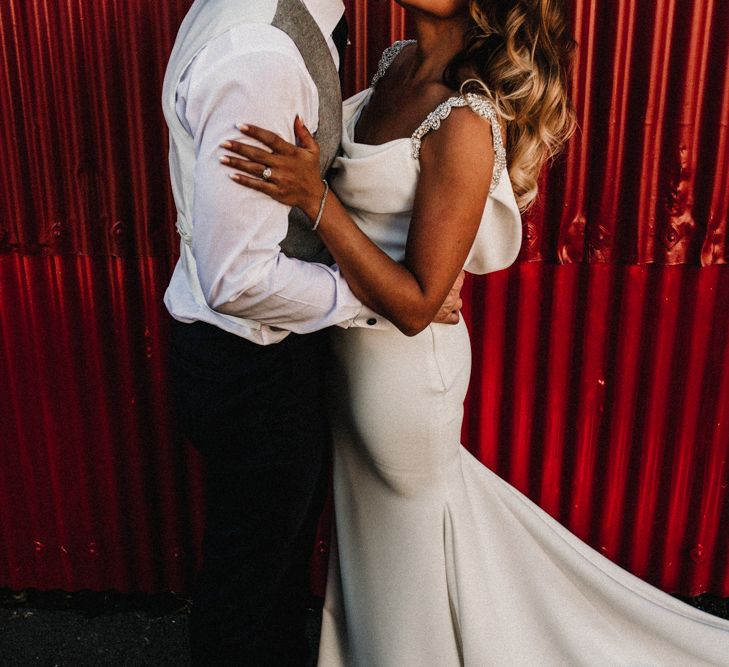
x=435, y=560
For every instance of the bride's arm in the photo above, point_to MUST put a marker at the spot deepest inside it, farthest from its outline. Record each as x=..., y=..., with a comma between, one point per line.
x=456, y=165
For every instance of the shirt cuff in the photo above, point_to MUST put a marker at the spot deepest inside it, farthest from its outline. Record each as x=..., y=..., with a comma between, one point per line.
x=369, y=319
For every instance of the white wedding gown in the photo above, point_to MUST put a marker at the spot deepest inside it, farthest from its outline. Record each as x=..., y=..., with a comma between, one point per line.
x=436, y=561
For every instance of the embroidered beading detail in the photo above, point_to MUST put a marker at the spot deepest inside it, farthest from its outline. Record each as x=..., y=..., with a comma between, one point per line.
x=484, y=108
x=479, y=104
x=388, y=56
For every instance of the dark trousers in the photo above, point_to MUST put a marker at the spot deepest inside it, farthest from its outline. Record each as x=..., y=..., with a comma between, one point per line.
x=256, y=413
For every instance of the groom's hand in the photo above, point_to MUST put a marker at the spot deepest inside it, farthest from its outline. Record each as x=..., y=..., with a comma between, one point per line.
x=450, y=311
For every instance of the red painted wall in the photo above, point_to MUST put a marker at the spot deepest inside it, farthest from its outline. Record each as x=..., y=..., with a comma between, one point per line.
x=600, y=384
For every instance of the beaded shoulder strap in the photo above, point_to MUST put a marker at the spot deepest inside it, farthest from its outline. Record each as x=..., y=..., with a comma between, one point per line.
x=484, y=108
x=388, y=57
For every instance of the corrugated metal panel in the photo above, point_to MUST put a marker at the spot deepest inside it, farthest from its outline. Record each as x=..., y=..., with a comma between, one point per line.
x=602, y=394
x=646, y=179
x=599, y=386
x=83, y=141
x=95, y=489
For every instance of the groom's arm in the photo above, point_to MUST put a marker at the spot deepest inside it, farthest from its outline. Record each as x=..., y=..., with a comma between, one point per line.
x=254, y=74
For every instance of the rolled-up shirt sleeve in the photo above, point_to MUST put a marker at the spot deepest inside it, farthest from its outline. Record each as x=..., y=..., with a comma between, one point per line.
x=237, y=231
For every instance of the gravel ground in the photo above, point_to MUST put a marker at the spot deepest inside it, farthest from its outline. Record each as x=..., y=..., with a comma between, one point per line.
x=109, y=629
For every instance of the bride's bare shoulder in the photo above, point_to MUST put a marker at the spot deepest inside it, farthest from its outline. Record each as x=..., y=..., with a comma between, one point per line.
x=458, y=135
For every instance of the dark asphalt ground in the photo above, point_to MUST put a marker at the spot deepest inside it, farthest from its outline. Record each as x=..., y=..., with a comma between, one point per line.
x=88, y=629
x=109, y=629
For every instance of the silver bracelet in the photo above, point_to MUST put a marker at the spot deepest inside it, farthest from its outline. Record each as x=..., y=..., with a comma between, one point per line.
x=321, y=206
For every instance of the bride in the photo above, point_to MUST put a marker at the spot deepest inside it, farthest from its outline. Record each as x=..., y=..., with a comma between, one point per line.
x=436, y=561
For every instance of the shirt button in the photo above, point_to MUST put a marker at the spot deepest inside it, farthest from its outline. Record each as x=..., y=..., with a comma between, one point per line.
x=372, y=321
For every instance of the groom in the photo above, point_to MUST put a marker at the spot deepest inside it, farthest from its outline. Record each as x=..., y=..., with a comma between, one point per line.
x=250, y=296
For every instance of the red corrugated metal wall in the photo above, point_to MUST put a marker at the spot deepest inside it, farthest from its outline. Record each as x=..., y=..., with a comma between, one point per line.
x=601, y=381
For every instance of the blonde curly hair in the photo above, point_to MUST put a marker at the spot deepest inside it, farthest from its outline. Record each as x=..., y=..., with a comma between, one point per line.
x=519, y=54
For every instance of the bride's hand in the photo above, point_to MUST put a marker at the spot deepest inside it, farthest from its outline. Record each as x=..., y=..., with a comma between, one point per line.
x=450, y=311
x=293, y=172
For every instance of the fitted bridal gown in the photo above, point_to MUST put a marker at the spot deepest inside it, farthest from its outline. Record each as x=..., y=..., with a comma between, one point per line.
x=436, y=561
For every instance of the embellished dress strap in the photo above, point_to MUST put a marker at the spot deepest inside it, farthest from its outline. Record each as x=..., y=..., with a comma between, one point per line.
x=484, y=108
x=388, y=57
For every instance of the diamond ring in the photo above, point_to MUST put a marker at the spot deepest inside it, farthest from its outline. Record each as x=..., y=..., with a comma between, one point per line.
x=267, y=173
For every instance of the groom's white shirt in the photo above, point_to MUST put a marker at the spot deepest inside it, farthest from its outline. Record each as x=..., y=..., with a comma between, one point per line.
x=253, y=73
